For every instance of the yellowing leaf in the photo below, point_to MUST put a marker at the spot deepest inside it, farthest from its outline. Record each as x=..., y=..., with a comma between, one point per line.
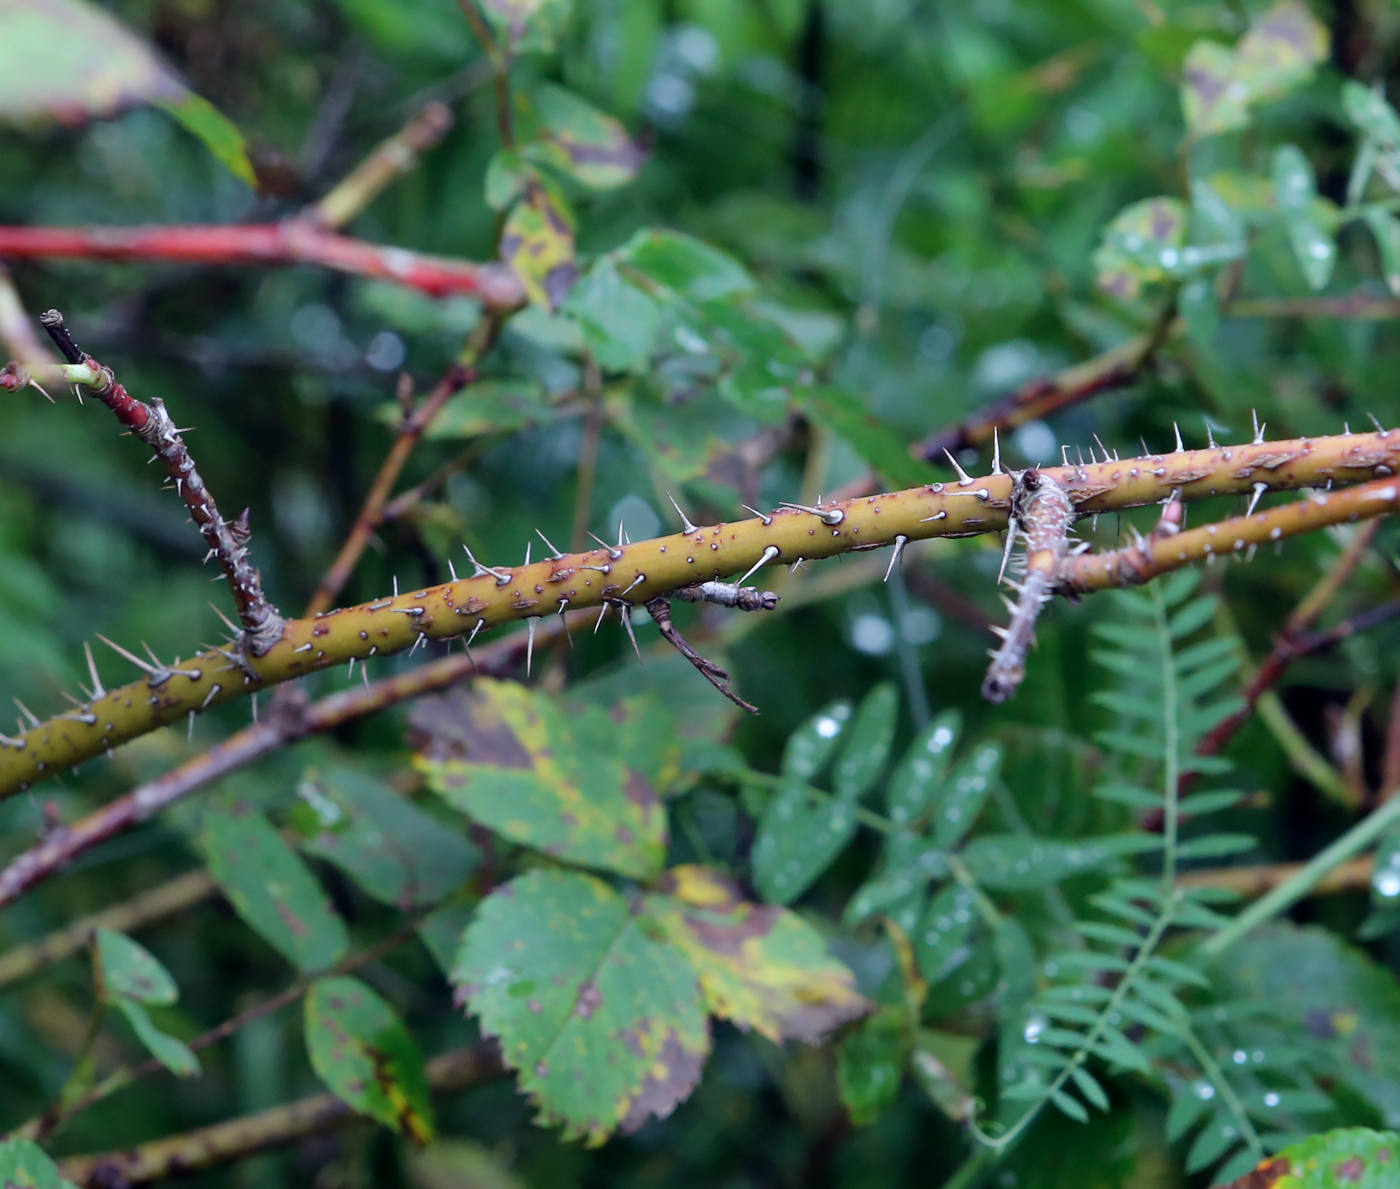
x=1349, y=1158
x=537, y=241
x=568, y=783
x=1141, y=246
x=592, y=147
x=761, y=967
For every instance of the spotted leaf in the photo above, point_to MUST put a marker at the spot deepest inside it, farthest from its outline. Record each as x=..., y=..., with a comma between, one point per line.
x=174, y=1054
x=364, y=1054
x=271, y=889
x=131, y=970
x=1280, y=51
x=600, y=1014
x=591, y=147
x=1349, y=1158
x=761, y=967
x=1141, y=246
x=537, y=241
x=397, y=853
x=578, y=785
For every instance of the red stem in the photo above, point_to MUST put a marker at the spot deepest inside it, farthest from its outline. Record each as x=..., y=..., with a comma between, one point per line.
x=292, y=241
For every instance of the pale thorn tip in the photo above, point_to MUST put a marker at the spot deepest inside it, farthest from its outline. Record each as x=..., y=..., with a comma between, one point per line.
x=899, y=543
x=1106, y=454
x=97, y=689
x=686, y=526
x=554, y=553
x=1346, y=428
x=1006, y=552
x=33, y=383
x=11, y=741
x=602, y=614
x=625, y=612
x=1256, y=489
x=529, y=643
x=1258, y=428
x=622, y=537
x=1377, y=424
x=996, y=453
x=963, y=477
x=1211, y=443
x=480, y=623
x=568, y=635
x=33, y=718
x=227, y=622
x=396, y=577
x=769, y=553
x=527, y=551
x=451, y=569
x=828, y=516
x=502, y=577
x=767, y=520
x=1064, y=454
x=1176, y=429
x=611, y=550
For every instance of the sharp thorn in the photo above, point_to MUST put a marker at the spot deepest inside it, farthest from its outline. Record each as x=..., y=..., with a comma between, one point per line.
x=1106, y=453
x=451, y=569
x=568, y=635
x=1256, y=490
x=33, y=718
x=10, y=741
x=1176, y=429
x=554, y=554
x=1211, y=443
x=602, y=614
x=122, y=652
x=769, y=553
x=626, y=613
x=996, y=451
x=612, y=551
x=396, y=581
x=228, y=623
x=1258, y=429
x=189, y=733
x=502, y=577
x=767, y=520
x=686, y=526
x=1064, y=454
x=899, y=542
x=97, y=690
x=1011, y=530
x=943, y=515
x=527, y=551
x=963, y=477
x=480, y=623
x=529, y=643
x=1376, y=423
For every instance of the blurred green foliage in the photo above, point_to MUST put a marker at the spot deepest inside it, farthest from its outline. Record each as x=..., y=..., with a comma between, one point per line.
x=768, y=244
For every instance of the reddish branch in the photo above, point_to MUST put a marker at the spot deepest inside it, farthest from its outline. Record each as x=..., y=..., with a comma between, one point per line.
x=228, y=542
x=287, y=723
x=292, y=241
x=372, y=513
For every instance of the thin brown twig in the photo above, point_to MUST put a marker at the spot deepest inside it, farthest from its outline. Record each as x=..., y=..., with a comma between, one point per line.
x=1287, y=643
x=371, y=513
x=235, y=1139
x=157, y=903
x=1253, y=881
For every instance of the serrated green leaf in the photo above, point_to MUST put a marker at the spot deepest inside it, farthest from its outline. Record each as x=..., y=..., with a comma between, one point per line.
x=619, y=320
x=518, y=762
x=870, y=1065
x=602, y=1018
x=131, y=970
x=362, y=1052
x=395, y=852
x=271, y=889
x=685, y=265
x=867, y=743
x=174, y=1054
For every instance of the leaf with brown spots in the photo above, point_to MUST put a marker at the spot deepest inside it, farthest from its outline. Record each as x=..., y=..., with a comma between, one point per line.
x=761, y=966
x=271, y=889
x=537, y=241
x=364, y=1054
x=1349, y=1158
x=589, y=146
x=577, y=784
x=601, y=1016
